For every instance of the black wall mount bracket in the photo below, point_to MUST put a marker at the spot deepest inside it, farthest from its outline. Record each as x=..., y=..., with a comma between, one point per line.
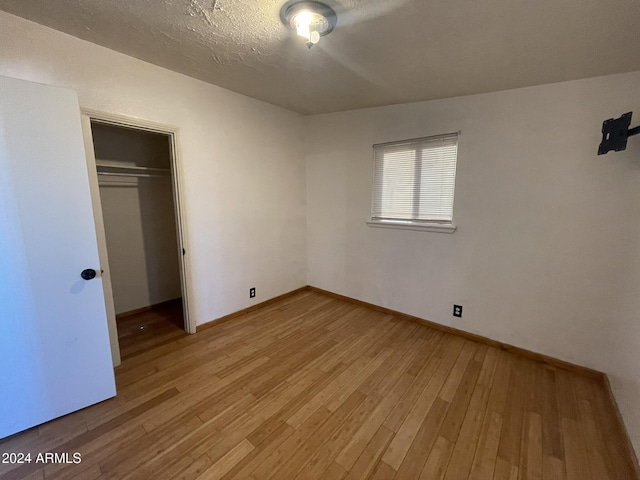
x=615, y=133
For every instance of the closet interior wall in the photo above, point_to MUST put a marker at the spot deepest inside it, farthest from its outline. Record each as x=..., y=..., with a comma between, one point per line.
x=139, y=215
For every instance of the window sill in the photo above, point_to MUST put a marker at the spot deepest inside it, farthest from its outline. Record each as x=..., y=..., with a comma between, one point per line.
x=424, y=227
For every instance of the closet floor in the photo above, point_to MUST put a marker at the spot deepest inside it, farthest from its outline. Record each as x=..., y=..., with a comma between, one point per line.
x=145, y=331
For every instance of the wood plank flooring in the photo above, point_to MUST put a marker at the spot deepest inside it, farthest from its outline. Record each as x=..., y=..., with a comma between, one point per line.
x=312, y=387
x=160, y=324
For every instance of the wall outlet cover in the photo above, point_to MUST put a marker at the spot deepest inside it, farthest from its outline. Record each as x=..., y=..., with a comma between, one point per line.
x=457, y=311
x=252, y=292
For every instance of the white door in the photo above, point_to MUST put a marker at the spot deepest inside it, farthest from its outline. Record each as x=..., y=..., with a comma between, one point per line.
x=54, y=343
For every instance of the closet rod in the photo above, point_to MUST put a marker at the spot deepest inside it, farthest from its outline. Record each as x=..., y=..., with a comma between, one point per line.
x=118, y=174
x=131, y=167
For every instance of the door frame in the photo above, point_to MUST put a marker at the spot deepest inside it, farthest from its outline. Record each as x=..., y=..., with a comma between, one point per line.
x=173, y=132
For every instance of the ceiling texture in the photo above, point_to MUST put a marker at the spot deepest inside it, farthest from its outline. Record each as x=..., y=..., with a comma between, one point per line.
x=381, y=52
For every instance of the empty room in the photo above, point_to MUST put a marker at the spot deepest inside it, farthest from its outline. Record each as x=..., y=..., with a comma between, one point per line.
x=336, y=239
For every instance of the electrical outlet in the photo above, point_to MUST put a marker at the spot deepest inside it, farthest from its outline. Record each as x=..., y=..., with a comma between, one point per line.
x=252, y=292
x=457, y=311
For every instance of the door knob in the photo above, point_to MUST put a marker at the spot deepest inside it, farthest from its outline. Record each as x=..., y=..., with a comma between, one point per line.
x=88, y=274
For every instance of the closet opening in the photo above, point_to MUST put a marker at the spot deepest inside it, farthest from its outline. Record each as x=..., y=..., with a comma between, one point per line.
x=142, y=231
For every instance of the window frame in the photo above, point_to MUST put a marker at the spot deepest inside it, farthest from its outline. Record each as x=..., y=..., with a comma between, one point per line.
x=413, y=224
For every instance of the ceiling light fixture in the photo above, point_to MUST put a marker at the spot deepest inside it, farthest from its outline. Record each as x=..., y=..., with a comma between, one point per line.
x=311, y=20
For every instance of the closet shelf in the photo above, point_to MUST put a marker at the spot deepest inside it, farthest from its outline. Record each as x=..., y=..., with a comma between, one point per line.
x=123, y=174
x=111, y=169
x=133, y=168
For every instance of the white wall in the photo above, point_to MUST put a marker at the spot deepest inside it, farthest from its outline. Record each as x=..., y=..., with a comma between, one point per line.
x=139, y=219
x=624, y=321
x=244, y=184
x=547, y=251
x=141, y=243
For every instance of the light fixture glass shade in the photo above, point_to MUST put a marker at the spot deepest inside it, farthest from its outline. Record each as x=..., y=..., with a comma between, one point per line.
x=309, y=25
x=303, y=22
x=311, y=20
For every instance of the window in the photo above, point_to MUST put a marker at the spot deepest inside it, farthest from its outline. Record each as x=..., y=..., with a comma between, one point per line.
x=414, y=183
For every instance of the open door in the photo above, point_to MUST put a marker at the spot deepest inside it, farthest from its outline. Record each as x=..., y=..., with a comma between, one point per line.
x=54, y=343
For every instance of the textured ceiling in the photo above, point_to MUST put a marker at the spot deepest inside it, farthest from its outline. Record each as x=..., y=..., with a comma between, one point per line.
x=381, y=52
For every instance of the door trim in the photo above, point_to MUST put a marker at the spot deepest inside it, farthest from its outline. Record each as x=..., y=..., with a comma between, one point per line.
x=177, y=180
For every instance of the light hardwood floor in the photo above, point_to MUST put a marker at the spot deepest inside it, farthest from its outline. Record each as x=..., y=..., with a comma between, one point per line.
x=312, y=387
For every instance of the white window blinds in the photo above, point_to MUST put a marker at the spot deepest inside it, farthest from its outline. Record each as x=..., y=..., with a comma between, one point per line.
x=414, y=180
